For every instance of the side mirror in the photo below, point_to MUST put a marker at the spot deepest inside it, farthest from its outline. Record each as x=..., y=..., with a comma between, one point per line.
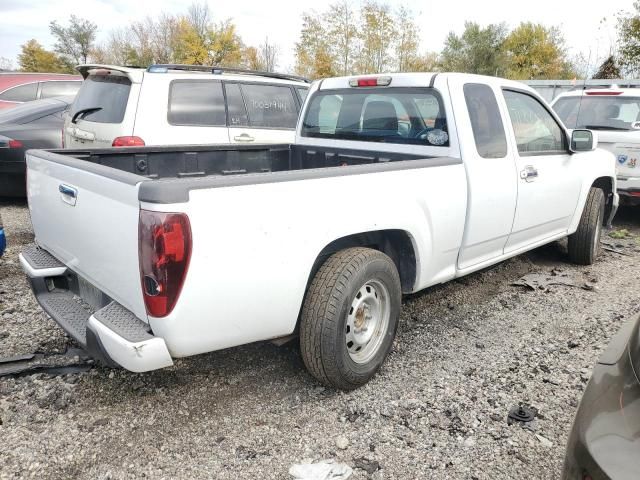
x=583, y=141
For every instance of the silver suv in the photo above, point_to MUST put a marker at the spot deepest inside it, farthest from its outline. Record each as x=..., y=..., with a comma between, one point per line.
x=182, y=105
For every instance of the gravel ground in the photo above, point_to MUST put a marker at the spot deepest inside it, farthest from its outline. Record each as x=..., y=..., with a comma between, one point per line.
x=465, y=353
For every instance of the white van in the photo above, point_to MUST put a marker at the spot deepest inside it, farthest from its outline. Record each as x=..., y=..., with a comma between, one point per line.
x=182, y=105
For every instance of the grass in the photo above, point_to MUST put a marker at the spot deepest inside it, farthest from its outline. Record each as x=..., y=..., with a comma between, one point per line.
x=620, y=234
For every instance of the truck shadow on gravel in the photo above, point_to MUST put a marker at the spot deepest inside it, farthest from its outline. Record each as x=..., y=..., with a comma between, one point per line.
x=278, y=372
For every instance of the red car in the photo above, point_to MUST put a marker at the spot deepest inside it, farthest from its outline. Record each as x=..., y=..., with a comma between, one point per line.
x=17, y=88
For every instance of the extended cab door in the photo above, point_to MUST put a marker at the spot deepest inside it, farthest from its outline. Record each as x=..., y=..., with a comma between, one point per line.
x=261, y=113
x=490, y=166
x=549, y=178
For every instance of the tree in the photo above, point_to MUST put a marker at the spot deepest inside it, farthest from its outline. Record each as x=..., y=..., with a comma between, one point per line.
x=427, y=62
x=534, y=51
x=251, y=59
x=477, y=50
x=34, y=58
x=629, y=40
x=342, y=28
x=407, y=43
x=314, y=58
x=75, y=41
x=189, y=46
x=376, y=33
x=268, y=53
x=5, y=64
x=224, y=45
x=608, y=69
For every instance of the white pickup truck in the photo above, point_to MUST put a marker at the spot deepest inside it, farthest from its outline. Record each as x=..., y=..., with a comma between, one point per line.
x=394, y=183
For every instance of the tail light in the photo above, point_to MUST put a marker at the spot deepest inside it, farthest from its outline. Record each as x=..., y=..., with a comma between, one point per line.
x=370, y=82
x=129, y=141
x=164, y=251
x=10, y=143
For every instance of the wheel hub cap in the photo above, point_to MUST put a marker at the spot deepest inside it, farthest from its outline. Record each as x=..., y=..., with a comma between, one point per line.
x=367, y=321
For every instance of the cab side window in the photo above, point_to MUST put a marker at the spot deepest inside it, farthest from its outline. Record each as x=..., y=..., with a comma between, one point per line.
x=270, y=106
x=197, y=103
x=536, y=131
x=486, y=122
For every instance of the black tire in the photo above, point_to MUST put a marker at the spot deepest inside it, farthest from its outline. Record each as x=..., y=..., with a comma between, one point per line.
x=328, y=307
x=584, y=245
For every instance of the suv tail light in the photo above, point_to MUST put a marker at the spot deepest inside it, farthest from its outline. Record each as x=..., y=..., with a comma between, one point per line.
x=165, y=250
x=128, y=141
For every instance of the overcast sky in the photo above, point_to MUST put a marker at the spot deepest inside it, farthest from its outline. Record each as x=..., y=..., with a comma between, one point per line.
x=280, y=20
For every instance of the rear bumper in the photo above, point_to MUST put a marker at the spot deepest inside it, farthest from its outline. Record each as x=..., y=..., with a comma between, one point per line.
x=108, y=331
x=628, y=185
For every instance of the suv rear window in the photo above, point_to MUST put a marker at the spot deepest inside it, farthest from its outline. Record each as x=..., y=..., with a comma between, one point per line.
x=110, y=93
x=391, y=115
x=21, y=93
x=196, y=102
x=58, y=88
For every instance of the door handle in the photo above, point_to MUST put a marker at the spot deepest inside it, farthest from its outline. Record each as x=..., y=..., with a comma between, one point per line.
x=529, y=173
x=68, y=194
x=245, y=137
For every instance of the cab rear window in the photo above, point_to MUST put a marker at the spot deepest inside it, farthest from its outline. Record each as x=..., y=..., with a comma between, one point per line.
x=109, y=93
x=391, y=115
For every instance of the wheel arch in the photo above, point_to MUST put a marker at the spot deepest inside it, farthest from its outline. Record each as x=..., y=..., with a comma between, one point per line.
x=399, y=245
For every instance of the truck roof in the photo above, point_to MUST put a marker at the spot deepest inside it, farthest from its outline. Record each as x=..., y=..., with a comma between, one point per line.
x=421, y=79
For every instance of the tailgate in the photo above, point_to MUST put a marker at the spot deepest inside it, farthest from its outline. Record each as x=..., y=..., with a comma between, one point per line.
x=86, y=215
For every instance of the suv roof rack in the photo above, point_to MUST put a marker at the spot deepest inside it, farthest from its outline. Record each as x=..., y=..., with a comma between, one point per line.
x=162, y=68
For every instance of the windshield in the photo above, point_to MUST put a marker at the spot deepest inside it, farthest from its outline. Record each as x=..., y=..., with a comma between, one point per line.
x=605, y=112
x=391, y=115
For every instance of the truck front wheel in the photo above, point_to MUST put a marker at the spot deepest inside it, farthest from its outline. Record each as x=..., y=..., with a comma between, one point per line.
x=584, y=244
x=350, y=316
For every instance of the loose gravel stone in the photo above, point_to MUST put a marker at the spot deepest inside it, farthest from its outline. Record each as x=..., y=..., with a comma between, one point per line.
x=437, y=409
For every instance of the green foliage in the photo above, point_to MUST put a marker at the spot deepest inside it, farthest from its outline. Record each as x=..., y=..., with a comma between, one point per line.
x=608, y=69
x=75, y=41
x=478, y=50
x=534, y=51
x=620, y=234
x=34, y=58
x=629, y=40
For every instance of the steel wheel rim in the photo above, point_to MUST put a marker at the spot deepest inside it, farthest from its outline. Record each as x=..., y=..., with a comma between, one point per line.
x=367, y=321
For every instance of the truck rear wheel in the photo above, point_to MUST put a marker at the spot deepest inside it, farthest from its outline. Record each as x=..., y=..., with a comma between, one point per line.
x=584, y=244
x=350, y=316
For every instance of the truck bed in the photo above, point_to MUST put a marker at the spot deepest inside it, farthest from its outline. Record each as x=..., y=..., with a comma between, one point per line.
x=175, y=170
x=205, y=160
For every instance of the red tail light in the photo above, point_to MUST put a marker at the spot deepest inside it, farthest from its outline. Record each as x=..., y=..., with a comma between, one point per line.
x=164, y=250
x=605, y=93
x=370, y=82
x=127, y=142
x=15, y=144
